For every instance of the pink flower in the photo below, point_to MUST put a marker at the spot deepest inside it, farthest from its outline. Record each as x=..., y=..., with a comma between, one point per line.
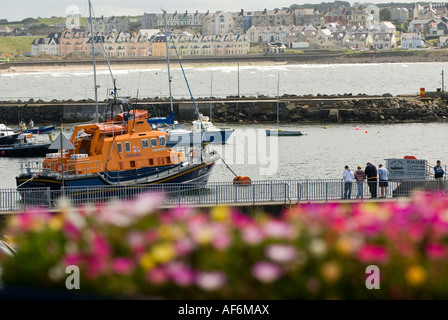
x=136, y=241
x=71, y=231
x=95, y=266
x=436, y=251
x=146, y=203
x=181, y=213
x=185, y=246
x=281, y=253
x=252, y=235
x=181, y=275
x=72, y=259
x=123, y=265
x=157, y=275
x=210, y=281
x=266, y=271
x=100, y=248
x=373, y=253
x=278, y=229
x=240, y=220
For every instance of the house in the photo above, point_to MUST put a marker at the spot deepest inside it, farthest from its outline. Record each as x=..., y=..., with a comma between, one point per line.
x=411, y=40
x=437, y=28
x=274, y=48
x=218, y=23
x=357, y=17
x=48, y=46
x=336, y=15
x=443, y=42
x=360, y=40
x=399, y=15
x=340, y=39
x=308, y=16
x=322, y=40
x=276, y=34
x=105, y=25
x=149, y=21
x=386, y=27
x=384, y=41
x=419, y=25
x=276, y=17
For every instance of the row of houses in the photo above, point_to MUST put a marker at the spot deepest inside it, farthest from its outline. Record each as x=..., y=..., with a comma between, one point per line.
x=120, y=44
x=112, y=44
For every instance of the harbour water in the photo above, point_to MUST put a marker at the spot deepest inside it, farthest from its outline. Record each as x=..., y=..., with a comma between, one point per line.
x=320, y=154
x=370, y=79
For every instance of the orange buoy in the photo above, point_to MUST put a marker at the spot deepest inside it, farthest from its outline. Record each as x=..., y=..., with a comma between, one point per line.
x=366, y=131
x=242, y=180
x=357, y=128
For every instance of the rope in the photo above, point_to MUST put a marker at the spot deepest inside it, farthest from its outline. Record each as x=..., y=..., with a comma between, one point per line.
x=28, y=180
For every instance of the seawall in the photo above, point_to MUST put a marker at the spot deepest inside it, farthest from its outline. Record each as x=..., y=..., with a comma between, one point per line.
x=292, y=109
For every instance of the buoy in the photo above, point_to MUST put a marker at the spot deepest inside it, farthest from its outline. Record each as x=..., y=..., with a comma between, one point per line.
x=366, y=131
x=3, y=152
x=270, y=127
x=242, y=180
x=325, y=127
x=357, y=128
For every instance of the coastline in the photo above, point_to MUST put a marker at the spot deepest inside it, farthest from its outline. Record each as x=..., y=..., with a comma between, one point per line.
x=417, y=56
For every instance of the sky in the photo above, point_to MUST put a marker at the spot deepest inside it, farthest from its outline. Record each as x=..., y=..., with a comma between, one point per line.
x=14, y=10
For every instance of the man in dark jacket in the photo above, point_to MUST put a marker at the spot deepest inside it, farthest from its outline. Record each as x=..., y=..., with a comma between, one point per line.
x=372, y=179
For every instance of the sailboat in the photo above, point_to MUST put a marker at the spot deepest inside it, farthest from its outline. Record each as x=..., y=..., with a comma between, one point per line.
x=122, y=151
x=280, y=132
x=203, y=130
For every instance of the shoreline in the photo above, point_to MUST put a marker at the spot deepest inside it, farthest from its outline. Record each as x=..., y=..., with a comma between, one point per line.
x=151, y=63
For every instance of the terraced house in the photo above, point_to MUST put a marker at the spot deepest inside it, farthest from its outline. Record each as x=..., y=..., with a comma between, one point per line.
x=194, y=45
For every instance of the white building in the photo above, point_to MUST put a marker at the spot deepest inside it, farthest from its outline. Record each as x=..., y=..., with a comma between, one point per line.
x=411, y=41
x=384, y=41
x=399, y=15
x=48, y=46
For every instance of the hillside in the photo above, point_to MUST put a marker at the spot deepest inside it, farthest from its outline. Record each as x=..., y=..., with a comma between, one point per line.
x=9, y=45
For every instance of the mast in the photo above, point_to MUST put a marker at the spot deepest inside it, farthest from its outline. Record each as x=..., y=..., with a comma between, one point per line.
x=168, y=59
x=94, y=62
x=278, y=96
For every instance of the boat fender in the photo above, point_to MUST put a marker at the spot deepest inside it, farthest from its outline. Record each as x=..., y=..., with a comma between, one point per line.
x=242, y=180
x=3, y=153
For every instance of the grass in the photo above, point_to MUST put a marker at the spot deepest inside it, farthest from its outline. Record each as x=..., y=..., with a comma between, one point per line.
x=10, y=45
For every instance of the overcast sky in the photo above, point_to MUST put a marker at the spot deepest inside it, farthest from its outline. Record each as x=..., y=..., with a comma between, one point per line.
x=20, y=9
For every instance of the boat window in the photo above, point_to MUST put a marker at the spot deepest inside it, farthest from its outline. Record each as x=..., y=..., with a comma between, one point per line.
x=162, y=141
x=119, y=147
x=145, y=144
x=151, y=162
x=127, y=147
x=153, y=142
x=132, y=164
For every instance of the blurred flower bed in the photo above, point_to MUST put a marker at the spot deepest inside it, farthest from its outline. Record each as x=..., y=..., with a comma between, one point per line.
x=135, y=249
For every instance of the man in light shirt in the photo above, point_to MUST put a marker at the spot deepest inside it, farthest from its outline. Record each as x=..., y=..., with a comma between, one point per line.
x=348, y=181
x=384, y=176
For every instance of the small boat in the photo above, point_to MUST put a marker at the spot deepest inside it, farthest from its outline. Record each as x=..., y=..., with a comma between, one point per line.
x=133, y=154
x=203, y=131
x=7, y=135
x=40, y=130
x=278, y=132
x=25, y=145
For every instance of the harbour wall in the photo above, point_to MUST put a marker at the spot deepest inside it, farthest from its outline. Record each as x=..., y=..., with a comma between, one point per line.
x=292, y=109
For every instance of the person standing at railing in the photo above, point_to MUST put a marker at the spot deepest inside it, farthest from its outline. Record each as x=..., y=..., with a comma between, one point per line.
x=384, y=177
x=438, y=171
x=372, y=179
x=360, y=176
x=347, y=175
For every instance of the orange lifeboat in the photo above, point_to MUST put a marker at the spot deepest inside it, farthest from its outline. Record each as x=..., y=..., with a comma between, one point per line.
x=138, y=114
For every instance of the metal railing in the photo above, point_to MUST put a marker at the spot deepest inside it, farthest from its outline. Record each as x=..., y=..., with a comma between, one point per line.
x=216, y=193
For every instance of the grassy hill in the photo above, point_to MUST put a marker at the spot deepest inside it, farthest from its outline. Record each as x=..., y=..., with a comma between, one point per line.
x=9, y=45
